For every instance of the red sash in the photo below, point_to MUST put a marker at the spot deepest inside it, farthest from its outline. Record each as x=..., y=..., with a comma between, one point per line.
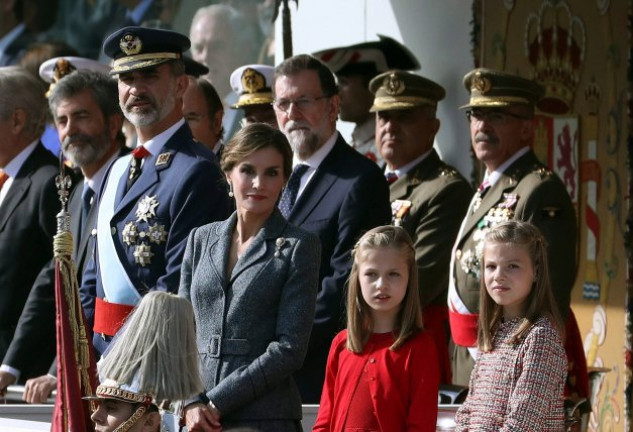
x=110, y=317
x=463, y=328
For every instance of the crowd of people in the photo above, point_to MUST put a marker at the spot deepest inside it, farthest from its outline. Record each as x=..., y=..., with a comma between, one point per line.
x=359, y=276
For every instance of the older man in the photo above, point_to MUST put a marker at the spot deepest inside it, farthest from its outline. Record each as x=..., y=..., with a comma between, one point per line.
x=516, y=186
x=88, y=120
x=428, y=197
x=203, y=112
x=333, y=191
x=28, y=200
x=151, y=200
x=222, y=40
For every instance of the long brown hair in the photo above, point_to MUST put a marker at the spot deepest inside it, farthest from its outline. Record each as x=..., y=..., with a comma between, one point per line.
x=359, y=319
x=539, y=302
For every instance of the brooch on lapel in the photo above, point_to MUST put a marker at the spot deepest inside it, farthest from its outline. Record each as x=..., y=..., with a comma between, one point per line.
x=399, y=210
x=278, y=245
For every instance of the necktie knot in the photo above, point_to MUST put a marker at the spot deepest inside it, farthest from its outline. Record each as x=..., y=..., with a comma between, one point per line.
x=289, y=195
x=483, y=187
x=3, y=178
x=138, y=154
x=391, y=177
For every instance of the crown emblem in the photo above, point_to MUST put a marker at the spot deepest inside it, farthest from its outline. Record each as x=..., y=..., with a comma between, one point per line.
x=592, y=96
x=130, y=44
x=556, y=52
x=62, y=68
x=393, y=85
x=253, y=81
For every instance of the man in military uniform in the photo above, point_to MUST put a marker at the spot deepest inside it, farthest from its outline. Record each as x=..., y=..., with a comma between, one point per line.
x=428, y=197
x=252, y=83
x=354, y=67
x=516, y=186
x=152, y=199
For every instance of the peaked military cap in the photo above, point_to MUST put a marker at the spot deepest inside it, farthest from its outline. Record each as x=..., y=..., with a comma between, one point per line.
x=395, y=90
x=370, y=58
x=253, y=85
x=492, y=88
x=52, y=70
x=134, y=48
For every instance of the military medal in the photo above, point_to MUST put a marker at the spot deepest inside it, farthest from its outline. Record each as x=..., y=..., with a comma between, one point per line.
x=143, y=255
x=130, y=233
x=157, y=233
x=146, y=208
x=399, y=210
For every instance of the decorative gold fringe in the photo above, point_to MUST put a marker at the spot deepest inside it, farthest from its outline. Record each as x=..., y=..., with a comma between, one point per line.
x=63, y=249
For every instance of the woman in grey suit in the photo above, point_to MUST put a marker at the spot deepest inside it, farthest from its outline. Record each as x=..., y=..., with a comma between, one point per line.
x=252, y=280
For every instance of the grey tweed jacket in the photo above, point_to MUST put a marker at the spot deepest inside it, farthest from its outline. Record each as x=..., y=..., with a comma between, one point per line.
x=253, y=326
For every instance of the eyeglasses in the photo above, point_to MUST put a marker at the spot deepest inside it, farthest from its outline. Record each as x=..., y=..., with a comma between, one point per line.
x=302, y=104
x=491, y=117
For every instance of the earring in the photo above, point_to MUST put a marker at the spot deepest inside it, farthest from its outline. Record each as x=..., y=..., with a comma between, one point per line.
x=231, y=190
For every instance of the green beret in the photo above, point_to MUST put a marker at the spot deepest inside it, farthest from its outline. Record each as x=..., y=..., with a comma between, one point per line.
x=397, y=90
x=491, y=88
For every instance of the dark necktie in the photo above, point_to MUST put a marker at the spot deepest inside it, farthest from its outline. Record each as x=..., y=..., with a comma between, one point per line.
x=289, y=195
x=86, y=203
x=391, y=177
x=135, y=165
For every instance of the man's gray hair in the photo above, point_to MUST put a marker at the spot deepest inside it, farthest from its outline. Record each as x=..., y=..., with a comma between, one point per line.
x=19, y=89
x=102, y=87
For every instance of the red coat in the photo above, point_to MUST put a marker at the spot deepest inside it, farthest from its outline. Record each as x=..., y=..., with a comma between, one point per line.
x=404, y=391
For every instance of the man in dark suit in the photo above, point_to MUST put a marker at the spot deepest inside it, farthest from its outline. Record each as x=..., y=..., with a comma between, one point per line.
x=88, y=119
x=333, y=191
x=516, y=186
x=28, y=197
x=152, y=199
x=428, y=197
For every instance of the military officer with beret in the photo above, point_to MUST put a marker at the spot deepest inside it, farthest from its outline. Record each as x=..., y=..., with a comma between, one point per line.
x=428, y=197
x=252, y=83
x=151, y=199
x=516, y=186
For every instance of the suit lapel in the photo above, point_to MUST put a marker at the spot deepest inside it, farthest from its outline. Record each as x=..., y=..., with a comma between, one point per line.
x=21, y=184
x=220, y=249
x=319, y=184
x=261, y=244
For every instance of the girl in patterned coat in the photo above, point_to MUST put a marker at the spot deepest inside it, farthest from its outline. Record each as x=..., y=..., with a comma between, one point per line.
x=382, y=372
x=519, y=377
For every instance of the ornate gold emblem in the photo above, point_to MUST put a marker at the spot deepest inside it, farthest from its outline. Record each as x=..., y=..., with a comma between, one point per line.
x=480, y=83
x=130, y=44
x=146, y=208
x=157, y=233
x=143, y=255
x=252, y=80
x=62, y=68
x=130, y=233
x=393, y=85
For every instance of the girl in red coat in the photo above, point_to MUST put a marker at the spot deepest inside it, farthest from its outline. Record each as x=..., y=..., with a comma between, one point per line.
x=382, y=372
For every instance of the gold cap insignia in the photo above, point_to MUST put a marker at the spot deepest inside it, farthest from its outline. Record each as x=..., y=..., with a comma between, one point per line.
x=62, y=68
x=393, y=85
x=253, y=81
x=480, y=83
x=130, y=44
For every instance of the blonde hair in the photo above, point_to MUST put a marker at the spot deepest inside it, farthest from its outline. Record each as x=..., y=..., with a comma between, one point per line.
x=539, y=302
x=157, y=348
x=359, y=318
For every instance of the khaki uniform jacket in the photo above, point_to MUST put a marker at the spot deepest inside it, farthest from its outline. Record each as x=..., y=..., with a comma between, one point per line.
x=526, y=191
x=439, y=198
